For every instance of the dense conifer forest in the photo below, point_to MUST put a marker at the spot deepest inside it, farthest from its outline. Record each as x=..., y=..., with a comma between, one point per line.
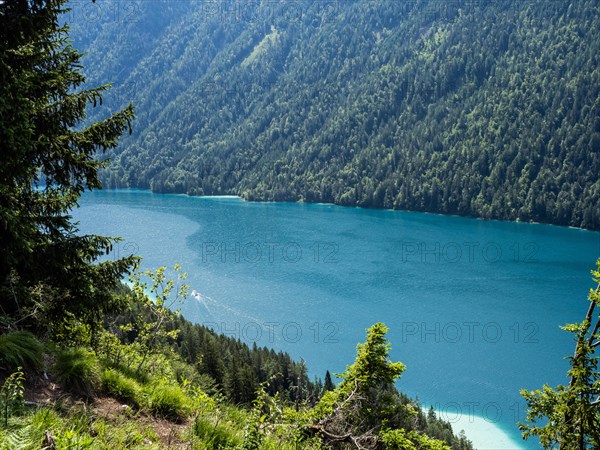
x=478, y=108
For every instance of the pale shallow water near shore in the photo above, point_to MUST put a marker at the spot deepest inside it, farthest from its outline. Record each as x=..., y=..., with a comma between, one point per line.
x=485, y=435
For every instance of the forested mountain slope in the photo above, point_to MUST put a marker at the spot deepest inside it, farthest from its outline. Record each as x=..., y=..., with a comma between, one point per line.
x=481, y=108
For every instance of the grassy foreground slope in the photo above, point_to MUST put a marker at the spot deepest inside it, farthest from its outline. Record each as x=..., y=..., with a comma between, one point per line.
x=135, y=389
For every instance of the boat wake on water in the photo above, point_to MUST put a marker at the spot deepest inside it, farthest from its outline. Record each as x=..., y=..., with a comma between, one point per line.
x=209, y=308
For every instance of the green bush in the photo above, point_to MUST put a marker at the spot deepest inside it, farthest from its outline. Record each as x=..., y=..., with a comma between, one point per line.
x=121, y=386
x=11, y=395
x=21, y=349
x=78, y=370
x=184, y=371
x=169, y=400
x=215, y=435
x=401, y=439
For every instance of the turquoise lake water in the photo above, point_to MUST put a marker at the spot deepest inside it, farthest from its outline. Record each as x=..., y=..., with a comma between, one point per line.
x=474, y=307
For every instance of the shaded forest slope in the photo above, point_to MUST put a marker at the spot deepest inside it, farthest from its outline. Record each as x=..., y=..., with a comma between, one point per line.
x=487, y=109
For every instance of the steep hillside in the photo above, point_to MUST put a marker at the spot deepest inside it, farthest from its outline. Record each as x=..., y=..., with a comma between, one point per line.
x=488, y=109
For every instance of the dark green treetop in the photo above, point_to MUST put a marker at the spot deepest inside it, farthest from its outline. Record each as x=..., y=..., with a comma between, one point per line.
x=48, y=159
x=366, y=410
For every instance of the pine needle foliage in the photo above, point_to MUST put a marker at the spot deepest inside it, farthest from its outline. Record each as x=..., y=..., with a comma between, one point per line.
x=49, y=158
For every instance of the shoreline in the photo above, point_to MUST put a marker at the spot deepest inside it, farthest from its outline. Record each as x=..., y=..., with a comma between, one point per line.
x=238, y=197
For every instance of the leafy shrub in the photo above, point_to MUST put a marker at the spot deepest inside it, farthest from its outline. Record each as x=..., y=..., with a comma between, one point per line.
x=20, y=349
x=121, y=386
x=78, y=370
x=410, y=440
x=168, y=400
x=184, y=371
x=11, y=394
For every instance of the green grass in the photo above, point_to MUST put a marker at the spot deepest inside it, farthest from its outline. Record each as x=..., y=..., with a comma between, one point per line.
x=77, y=431
x=121, y=386
x=215, y=434
x=168, y=400
x=141, y=377
x=21, y=349
x=78, y=370
x=125, y=434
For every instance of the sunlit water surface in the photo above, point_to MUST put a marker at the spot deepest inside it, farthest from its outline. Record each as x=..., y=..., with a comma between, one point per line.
x=474, y=307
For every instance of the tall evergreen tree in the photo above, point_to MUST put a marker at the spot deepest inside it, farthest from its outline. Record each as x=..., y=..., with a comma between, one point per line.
x=49, y=158
x=328, y=386
x=568, y=417
x=366, y=411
